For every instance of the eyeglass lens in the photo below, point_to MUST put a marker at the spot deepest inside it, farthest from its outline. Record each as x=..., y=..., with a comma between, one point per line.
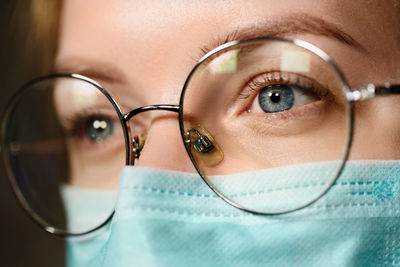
x=269, y=109
x=65, y=147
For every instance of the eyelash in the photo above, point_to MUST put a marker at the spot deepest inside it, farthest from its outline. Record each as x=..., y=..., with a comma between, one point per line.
x=306, y=84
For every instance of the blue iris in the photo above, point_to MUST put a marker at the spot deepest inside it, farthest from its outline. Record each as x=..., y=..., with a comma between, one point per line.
x=276, y=98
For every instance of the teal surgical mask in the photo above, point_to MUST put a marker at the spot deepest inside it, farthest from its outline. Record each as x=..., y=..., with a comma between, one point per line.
x=166, y=218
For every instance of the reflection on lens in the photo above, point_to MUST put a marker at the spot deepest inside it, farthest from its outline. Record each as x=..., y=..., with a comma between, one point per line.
x=65, y=148
x=270, y=106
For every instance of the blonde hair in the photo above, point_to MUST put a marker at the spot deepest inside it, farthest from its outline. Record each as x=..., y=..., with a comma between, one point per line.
x=46, y=15
x=30, y=36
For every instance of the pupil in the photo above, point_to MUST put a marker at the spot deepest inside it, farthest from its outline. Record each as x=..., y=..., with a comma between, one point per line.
x=99, y=125
x=99, y=129
x=275, y=97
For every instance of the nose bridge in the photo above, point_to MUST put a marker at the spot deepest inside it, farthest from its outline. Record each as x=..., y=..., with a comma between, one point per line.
x=163, y=147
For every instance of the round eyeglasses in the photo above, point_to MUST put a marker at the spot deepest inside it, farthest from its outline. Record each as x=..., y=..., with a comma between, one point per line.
x=249, y=110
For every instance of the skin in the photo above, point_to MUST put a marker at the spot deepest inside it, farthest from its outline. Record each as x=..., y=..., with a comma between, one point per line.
x=142, y=52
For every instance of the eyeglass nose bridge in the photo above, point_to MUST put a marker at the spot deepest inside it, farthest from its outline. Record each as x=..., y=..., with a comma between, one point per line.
x=137, y=142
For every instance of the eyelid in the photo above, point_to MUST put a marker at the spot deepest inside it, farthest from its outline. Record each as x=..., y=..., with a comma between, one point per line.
x=256, y=83
x=293, y=24
x=250, y=89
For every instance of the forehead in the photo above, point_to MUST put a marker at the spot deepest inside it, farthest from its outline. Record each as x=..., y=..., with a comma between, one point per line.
x=158, y=42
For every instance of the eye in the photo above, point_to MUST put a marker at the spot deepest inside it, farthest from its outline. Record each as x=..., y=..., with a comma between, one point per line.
x=279, y=92
x=279, y=97
x=91, y=127
x=98, y=128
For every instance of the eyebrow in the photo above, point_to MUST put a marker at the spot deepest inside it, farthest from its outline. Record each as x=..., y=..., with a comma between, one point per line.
x=96, y=70
x=112, y=78
x=294, y=24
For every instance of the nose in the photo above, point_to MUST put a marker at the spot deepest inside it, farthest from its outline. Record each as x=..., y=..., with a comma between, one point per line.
x=164, y=147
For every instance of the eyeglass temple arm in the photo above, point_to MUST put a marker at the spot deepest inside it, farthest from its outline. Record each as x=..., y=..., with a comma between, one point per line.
x=371, y=91
x=394, y=89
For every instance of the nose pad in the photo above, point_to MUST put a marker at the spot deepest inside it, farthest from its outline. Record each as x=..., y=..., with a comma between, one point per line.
x=203, y=146
x=162, y=146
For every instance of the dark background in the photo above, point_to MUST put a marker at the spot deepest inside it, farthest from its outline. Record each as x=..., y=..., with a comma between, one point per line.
x=28, y=30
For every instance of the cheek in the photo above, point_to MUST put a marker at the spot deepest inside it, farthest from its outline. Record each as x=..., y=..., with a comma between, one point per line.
x=377, y=129
x=252, y=144
x=94, y=169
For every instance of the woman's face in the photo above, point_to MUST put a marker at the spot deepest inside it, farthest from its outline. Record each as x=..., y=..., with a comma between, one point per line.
x=143, y=51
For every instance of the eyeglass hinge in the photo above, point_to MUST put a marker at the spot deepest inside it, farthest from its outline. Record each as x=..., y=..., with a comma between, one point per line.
x=138, y=144
x=361, y=94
